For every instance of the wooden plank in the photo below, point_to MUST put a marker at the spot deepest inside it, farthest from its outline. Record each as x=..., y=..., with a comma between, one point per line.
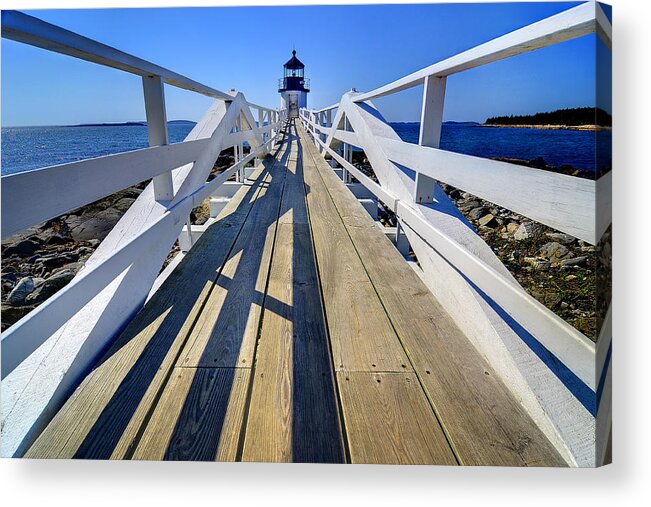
x=439, y=229
x=24, y=337
x=293, y=414
x=43, y=381
x=389, y=421
x=485, y=424
x=361, y=334
x=226, y=331
x=393, y=423
x=293, y=206
x=198, y=417
x=103, y=416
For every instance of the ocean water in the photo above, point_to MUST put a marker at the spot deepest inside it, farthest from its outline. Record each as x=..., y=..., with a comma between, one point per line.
x=25, y=148
x=584, y=150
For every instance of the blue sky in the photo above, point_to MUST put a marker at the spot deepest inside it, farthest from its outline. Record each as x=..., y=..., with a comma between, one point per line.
x=361, y=46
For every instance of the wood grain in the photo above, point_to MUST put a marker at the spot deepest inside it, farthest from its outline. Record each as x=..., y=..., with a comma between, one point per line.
x=293, y=411
x=198, y=417
x=388, y=420
x=226, y=330
x=293, y=415
x=103, y=416
x=484, y=422
x=361, y=334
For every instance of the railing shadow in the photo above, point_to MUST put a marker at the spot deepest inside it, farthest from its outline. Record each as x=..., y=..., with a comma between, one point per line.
x=197, y=432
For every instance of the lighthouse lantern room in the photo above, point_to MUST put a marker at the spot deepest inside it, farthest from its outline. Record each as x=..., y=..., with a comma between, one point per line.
x=293, y=86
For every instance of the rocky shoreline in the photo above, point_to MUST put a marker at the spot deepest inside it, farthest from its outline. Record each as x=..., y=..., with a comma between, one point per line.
x=568, y=276
x=40, y=261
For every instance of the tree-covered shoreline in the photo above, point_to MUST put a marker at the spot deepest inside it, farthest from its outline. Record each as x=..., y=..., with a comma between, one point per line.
x=571, y=117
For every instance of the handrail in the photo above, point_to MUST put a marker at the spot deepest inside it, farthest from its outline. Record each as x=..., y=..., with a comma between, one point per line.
x=24, y=337
x=62, y=188
x=577, y=354
x=570, y=24
x=27, y=29
x=568, y=204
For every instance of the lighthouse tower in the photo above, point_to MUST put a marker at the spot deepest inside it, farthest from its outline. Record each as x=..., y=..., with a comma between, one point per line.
x=293, y=86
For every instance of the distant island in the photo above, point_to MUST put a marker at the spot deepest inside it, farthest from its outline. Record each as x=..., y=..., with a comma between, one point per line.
x=132, y=124
x=462, y=123
x=448, y=122
x=578, y=118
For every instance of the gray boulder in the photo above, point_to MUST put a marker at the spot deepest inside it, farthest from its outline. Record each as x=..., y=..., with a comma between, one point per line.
x=123, y=204
x=477, y=213
x=526, y=230
x=23, y=289
x=24, y=248
x=560, y=237
x=50, y=286
x=94, y=227
x=554, y=250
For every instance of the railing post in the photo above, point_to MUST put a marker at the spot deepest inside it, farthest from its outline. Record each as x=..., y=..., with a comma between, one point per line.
x=236, y=150
x=157, y=131
x=431, y=117
x=348, y=154
x=431, y=121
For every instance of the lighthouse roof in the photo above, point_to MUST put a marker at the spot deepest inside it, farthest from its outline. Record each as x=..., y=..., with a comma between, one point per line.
x=293, y=62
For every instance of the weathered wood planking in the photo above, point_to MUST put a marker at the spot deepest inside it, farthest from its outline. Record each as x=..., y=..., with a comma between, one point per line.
x=390, y=423
x=389, y=420
x=485, y=424
x=203, y=411
x=198, y=417
x=361, y=334
x=103, y=416
x=226, y=331
x=293, y=413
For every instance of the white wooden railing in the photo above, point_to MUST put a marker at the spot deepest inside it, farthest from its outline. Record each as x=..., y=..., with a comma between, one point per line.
x=457, y=265
x=72, y=327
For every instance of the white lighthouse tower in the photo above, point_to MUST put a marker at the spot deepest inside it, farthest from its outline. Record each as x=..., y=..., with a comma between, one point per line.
x=293, y=86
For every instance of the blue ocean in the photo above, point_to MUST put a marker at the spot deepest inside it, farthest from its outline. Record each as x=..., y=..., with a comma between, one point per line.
x=25, y=148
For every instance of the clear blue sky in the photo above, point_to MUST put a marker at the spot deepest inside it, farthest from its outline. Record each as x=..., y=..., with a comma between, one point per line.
x=361, y=46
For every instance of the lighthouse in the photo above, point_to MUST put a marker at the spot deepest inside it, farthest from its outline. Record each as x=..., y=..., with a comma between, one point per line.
x=293, y=86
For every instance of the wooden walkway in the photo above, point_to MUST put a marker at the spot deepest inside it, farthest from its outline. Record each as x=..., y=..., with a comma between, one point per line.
x=294, y=331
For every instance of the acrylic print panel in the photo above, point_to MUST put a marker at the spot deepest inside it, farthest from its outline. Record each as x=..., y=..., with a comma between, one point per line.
x=314, y=258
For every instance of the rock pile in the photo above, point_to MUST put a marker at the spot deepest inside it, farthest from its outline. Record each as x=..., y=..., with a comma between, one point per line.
x=555, y=268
